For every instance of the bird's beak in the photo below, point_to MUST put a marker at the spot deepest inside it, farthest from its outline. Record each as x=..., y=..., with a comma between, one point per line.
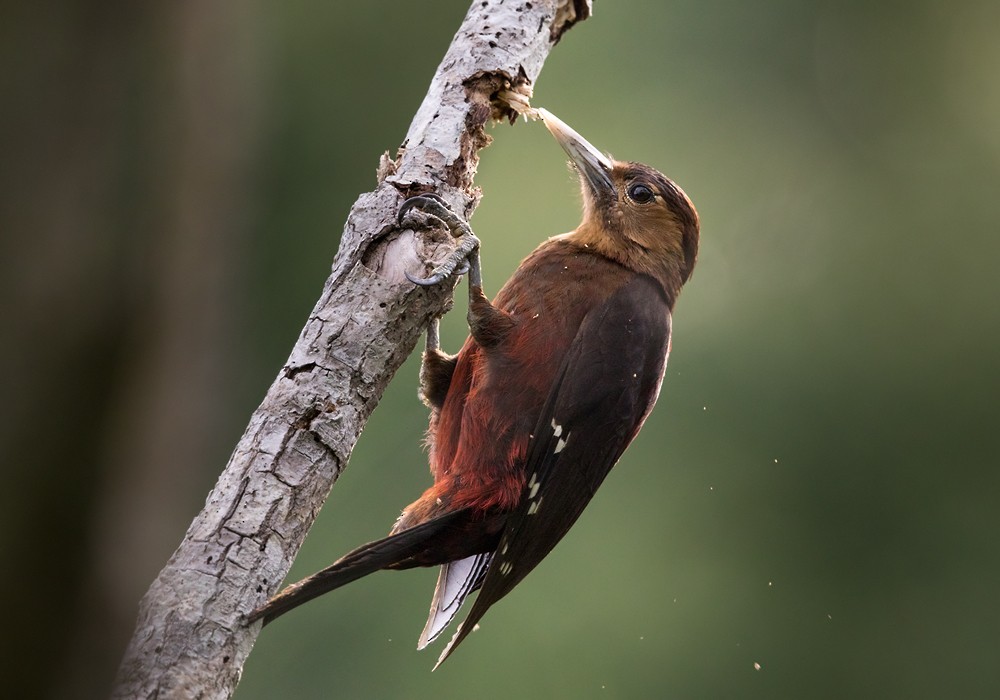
x=592, y=164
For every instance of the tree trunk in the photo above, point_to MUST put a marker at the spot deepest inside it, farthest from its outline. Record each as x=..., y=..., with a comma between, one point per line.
x=190, y=640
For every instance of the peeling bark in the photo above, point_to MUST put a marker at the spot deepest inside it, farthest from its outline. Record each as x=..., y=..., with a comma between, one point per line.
x=190, y=640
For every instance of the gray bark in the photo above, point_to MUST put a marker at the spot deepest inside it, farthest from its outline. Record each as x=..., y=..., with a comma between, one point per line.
x=190, y=640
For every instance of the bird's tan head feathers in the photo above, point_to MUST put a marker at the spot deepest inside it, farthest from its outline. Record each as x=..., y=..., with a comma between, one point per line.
x=631, y=212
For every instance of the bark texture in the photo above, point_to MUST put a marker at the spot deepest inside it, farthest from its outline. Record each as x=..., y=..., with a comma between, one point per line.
x=190, y=641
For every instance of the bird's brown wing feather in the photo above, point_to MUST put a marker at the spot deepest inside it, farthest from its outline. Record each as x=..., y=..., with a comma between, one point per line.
x=605, y=388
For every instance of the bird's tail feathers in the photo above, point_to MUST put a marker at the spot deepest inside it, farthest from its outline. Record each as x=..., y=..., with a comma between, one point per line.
x=366, y=559
x=457, y=580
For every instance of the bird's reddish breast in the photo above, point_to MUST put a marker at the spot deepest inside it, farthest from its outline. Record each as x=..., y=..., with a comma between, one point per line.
x=496, y=394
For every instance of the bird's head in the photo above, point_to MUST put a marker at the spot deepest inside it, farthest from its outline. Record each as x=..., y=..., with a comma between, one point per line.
x=631, y=212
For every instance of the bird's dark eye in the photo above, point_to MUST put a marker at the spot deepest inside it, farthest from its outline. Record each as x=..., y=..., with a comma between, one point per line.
x=640, y=194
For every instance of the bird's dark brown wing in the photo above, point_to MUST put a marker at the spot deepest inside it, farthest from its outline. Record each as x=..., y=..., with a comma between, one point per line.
x=606, y=386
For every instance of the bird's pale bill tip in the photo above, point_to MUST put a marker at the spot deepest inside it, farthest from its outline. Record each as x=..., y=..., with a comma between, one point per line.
x=546, y=115
x=570, y=140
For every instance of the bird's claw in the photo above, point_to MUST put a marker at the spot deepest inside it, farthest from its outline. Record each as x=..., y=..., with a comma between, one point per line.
x=436, y=278
x=440, y=274
x=426, y=203
x=463, y=259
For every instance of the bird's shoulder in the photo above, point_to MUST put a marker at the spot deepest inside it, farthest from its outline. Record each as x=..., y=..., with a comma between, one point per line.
x=560, y=281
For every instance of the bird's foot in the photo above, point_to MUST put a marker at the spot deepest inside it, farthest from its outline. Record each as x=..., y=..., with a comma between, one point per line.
x=463, y=259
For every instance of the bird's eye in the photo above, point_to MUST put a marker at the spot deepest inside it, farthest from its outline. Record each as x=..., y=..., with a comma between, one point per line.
x=640, y=194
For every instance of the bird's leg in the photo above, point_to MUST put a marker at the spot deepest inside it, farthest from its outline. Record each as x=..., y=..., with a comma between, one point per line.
x=436, y=368
x=433, y=335
x=487, y=324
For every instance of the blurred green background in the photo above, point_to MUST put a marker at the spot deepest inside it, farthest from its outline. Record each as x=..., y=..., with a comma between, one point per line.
x=817, y=491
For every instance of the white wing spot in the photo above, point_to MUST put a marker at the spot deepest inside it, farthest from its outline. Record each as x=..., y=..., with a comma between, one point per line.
x=505, y=568
x=535, y=505
x=504, y=550
x=533, y=485
x=556, y=428
x=560, y=445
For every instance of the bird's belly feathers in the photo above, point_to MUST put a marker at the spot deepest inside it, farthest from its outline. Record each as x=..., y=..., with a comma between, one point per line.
x=497, y=394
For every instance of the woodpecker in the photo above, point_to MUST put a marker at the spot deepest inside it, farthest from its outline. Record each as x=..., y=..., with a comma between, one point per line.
x=556, y=378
